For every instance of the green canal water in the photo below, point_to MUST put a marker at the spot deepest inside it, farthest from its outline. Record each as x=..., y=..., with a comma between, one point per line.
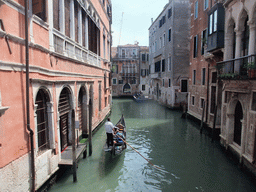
x=189, y=161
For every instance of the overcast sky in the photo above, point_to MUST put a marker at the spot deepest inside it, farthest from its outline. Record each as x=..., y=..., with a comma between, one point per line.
x=137, y=16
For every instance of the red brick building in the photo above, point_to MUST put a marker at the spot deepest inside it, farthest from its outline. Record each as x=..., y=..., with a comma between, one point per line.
x=69, y=66
x=207, y=28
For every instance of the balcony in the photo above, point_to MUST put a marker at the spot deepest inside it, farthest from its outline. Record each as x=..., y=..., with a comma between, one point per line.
x=242, y=68
x=156, y=75
x=66, y=47
x=216, y=21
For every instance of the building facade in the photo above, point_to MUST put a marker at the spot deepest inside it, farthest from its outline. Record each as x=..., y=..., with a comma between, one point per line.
x=129, y=69
x=169, y=54
x=237, y=74
x=69, y=69
x=144, y=70
x=206, y=48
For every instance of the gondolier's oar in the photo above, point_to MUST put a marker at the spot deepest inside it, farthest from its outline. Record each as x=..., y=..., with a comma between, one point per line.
x=141, y=155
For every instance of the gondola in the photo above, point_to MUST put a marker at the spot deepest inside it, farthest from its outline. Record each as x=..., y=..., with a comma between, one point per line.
x=140, y=98
x=118, y=147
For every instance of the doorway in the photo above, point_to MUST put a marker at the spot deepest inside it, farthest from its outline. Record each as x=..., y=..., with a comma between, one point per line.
x=237, y=123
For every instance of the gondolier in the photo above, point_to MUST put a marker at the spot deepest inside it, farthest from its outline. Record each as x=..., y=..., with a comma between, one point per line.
x=118, y=144
x=109, y=126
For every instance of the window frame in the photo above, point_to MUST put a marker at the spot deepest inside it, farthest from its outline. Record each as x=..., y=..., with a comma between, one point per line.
x=196, y=10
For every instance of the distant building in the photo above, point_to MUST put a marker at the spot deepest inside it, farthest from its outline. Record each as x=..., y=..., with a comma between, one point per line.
x=169, y=54
x=237, y=73
x=144, y=70
x=129, y=69
x=69, y=69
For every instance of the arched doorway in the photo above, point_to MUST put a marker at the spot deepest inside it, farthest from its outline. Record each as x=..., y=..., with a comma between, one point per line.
x=127, y=88
x=64, y=109
x=82, y=112
x=237, y=123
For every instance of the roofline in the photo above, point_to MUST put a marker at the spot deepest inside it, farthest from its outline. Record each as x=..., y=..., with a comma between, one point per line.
x=165, y=7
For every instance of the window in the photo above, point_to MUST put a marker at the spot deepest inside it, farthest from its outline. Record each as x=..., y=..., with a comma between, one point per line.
x=170, y=63
x=135, y=52
x=99, y=96
x=160, y=42
x=157, y=66
x=143, y=57
x=205, y=4
x=163, y=65
x=194, y=77
x=254, y=101
x=169, y=12
x=162, y=21
x=39, y=8
x=193, y=100
x=143, y=88
x=169, y=82
x=203, y=76
x=195, y=46
x=164, y=40
x=143, y=72
x=104, y=46
x=114, y=81
x=201, y=103
x=213, y=19
x=133, y=81
x=214, y=77
x=120, y=82
x=170, y=35
x=56, y=18
x=203, y=41
x=123, y=53
x=213, y=99
x=196, y=9
x=163, y=82
x=184, y=85
x=42, y=120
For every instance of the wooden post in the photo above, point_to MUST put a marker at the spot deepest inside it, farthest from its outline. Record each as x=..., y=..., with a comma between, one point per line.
x=90, y=127
x=74, y=146
x=214, y=121
x=202, y=120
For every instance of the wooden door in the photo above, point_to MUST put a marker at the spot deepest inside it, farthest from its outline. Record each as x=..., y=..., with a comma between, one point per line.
x=64, y=131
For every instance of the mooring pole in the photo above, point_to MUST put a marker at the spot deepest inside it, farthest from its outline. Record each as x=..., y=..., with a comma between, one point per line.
x=202, y=120
x=214, y=121
x=90, y=127
x=74, y=146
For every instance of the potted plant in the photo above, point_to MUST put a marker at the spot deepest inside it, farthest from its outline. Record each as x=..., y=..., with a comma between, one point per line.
x=251, y=68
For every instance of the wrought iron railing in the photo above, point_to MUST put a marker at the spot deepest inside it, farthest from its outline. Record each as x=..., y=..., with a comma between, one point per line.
x=239, y=68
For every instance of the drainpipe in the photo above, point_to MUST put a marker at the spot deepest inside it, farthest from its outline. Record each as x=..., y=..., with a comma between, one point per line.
x=31, y=133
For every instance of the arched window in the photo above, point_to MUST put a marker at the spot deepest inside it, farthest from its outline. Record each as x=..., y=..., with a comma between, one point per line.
x=42, y=120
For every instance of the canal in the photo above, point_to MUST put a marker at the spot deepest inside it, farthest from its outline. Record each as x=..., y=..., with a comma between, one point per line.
x=189, y=161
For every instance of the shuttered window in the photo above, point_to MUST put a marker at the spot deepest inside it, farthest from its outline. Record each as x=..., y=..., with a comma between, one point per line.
x=42, y=121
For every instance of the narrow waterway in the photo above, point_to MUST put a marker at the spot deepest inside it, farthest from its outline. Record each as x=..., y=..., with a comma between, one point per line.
x=190, y=161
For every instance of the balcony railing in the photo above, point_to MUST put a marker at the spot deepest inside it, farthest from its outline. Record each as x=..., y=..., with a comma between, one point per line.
x=239, y=68
x=67, y=47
